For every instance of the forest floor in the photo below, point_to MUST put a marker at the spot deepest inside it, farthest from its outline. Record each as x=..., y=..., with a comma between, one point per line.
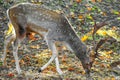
x=38, y=54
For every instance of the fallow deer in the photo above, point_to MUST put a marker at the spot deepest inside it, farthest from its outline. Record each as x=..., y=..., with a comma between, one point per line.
x=28, y=17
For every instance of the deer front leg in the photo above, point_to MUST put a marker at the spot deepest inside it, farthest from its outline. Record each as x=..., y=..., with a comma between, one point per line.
x=58, y=66
x=52, y=47
x=15, y=54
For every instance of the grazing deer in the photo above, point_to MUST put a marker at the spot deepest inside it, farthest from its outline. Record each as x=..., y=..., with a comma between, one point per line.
x=27, y=17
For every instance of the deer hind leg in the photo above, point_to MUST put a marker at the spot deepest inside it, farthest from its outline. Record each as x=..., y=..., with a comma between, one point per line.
x=7, y=42
x=16, y=44
x=19, y=24
x=15, y=54
x=20, y=35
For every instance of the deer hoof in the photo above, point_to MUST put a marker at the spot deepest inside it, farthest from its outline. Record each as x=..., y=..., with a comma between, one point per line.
x=39, y=70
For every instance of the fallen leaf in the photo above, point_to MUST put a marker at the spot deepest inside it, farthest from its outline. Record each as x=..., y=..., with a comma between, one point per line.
x=103, y=65
x=35, y=46
x=89, y=8
x=101, y=32
x=108, y=66
x=96, y=62
x=102, y=57
x=112, y=33
x=93, y=1
x=12, y=61
x=22, y=61
x=31, y=36
x=109, y=52
x=78, y=1
x=84, y=38
x=27, y=57
x=71, y=69
x=108, y=57
x=10, y=74
x=114, y=28
x=104, y=13
x=113, y=78
x=58, y=11
x=43, y=57
x=50, y=68
x=64, y=59
x=83, y=72
x=80, y=17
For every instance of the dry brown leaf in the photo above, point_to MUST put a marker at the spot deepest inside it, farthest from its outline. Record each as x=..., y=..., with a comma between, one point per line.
x=83, y=72
x=104, y=13
x=108, y=57
x=27, y=57
x=78, y=1
x=71, y=69
x=34, y=56
x=109, y=52
x=10, y=74
x=93, y=1
x=103, y=65
x=114, y=28
x=53, y=69
x=102, y=57
x=22, y=61
x=45, y=71
x=31, y=36
x=50, y=68
x=96, y=62
x=12, y=61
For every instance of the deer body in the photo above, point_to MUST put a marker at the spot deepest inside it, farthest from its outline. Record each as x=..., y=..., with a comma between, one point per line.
x=52, y=26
